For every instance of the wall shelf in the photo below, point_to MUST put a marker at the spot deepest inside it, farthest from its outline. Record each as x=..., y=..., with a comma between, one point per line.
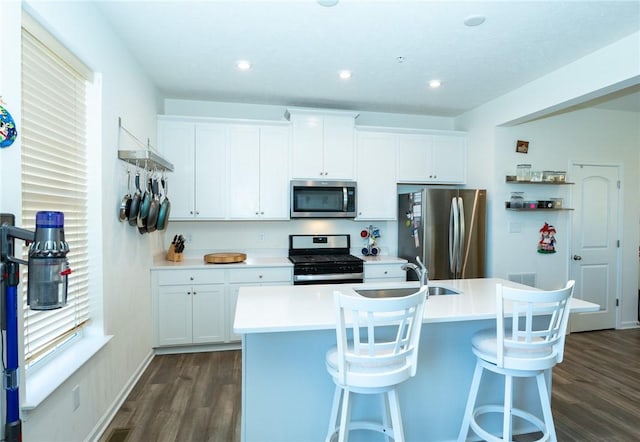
x=144, y=157
x=544, y=183
x=524, y=209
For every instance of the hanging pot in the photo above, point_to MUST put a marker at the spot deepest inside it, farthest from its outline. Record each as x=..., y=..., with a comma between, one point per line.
x=154, y=208
x=145, y=203
x=165, y=207
x=125, y=204
x=135, y=202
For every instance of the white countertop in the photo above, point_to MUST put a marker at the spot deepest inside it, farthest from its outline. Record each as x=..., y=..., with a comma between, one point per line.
x=195, y=260
x=269, y=309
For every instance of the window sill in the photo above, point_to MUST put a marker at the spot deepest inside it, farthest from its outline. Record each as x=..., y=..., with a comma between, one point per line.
x=44, y=381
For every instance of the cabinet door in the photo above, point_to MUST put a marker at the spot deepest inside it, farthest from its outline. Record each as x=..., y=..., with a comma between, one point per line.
x=208, y=313
x=244, y=172
x=339, y=149
x=274, y=173
x=210, y=171
x=176, y=142
x=173, y=316
x=414, y=156
x=232, y=301
x=376, y=171
x=384, y=273
x=306, y=148
x=449, y=158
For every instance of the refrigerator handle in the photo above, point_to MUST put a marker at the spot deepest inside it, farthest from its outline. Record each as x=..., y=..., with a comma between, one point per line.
x=453, y=236
x=461, y=236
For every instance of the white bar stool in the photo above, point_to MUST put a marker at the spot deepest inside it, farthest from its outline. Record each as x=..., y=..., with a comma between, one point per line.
x=520, y=347
x=373, y=360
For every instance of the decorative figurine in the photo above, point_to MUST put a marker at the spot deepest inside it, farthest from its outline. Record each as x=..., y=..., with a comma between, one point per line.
x=8, y=131
x=547, y=239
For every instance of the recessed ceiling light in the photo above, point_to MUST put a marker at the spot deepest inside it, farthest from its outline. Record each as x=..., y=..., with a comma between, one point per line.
x=345, y=75
x=434, y=84
x=474, y=20
x=243, y=65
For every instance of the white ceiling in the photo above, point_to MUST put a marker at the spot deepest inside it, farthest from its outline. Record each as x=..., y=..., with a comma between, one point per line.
x=297, y=48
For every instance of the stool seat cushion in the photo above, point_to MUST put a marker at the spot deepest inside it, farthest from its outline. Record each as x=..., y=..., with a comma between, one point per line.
x=485, y=345
x=373, y=373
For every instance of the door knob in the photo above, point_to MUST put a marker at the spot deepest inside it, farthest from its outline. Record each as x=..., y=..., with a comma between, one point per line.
x=577, y=257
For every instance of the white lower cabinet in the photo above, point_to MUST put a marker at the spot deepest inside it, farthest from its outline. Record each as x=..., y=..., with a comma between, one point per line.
x=188, y=307
x=374, y=272
x=193, y=307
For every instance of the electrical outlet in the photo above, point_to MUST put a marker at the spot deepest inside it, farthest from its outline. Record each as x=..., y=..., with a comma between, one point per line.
x=262, y=237
x=75, y=393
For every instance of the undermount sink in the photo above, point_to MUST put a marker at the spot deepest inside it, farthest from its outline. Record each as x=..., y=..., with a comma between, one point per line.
x=399, y=292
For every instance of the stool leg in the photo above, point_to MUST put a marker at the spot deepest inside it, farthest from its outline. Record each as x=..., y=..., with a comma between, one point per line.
x=333, y=419
x=386, y=407
x=471, y=401
x=546, y=406
x=396, y=418
x=343, y=432
x=508, y=406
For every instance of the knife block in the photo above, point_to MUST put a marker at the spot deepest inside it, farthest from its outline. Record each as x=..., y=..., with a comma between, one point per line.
x=172, y=255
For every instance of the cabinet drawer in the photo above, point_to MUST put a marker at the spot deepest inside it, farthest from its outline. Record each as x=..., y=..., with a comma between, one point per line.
x=384, y=271
x=182, y=277
x=260, y=274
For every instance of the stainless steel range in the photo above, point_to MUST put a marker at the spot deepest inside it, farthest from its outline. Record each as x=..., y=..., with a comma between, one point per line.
x=324, y=259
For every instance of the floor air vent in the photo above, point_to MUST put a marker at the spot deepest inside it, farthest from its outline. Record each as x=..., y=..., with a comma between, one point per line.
x=119, y=435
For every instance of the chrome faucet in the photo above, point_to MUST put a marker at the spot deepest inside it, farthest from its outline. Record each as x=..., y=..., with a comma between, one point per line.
x=421, y=272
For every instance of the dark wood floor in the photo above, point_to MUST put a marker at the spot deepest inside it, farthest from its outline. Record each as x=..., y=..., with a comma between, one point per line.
x=196, y=397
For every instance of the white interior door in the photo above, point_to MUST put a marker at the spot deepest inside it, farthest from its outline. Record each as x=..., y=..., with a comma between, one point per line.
x=595, y=244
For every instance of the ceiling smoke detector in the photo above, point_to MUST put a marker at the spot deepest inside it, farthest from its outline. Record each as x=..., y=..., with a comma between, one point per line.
x=474, y=20
x=327, y=3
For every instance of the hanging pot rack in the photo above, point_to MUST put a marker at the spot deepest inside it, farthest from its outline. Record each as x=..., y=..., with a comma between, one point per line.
x=143, y=157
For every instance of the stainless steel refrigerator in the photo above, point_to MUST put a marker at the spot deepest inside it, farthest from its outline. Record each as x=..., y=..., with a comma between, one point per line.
x=446, y=228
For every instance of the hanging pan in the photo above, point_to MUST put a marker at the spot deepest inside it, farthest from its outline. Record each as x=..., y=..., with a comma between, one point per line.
x=135, y=202
x=165, y=206
x=125, y=204
x=145, y=204
x=154, y=208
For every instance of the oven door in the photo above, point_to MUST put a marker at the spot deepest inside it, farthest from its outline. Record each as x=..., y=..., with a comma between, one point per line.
x=333, y=278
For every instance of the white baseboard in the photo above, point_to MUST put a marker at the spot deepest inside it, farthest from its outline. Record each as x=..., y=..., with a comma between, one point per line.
x=629, y=324
x=103, y=423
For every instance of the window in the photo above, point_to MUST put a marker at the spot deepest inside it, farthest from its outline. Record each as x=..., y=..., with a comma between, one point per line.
x=54, y=174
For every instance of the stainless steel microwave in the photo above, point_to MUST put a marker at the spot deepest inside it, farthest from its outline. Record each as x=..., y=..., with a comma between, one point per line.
x=323, y=199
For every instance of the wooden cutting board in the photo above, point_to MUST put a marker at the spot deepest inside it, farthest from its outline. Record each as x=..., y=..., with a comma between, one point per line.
x=224, y=258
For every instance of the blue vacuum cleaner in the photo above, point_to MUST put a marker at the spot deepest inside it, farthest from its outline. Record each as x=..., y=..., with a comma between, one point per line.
x=48, y=271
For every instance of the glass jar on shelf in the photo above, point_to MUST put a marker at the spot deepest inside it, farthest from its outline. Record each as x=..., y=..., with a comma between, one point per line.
x=516, y=201
x=523, y=172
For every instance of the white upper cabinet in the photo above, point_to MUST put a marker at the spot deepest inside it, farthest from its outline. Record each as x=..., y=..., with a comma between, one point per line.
x=322, y=144
x=176, y=140
x=376, y=172
x=198, y=184
x=210, y=171
x=258, y=172
x=427, y=158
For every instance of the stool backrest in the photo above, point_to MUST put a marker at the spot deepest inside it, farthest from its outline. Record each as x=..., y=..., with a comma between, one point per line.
x=533, y=337
x=378, y=338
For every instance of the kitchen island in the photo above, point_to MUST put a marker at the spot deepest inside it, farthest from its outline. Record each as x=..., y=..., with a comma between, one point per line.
x=287, y=393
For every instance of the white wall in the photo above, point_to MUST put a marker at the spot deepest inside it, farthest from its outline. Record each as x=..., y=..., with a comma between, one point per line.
x=124, y=291
x=581, y=135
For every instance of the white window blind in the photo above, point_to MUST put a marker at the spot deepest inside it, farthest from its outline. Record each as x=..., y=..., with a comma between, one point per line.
x=54, y=174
